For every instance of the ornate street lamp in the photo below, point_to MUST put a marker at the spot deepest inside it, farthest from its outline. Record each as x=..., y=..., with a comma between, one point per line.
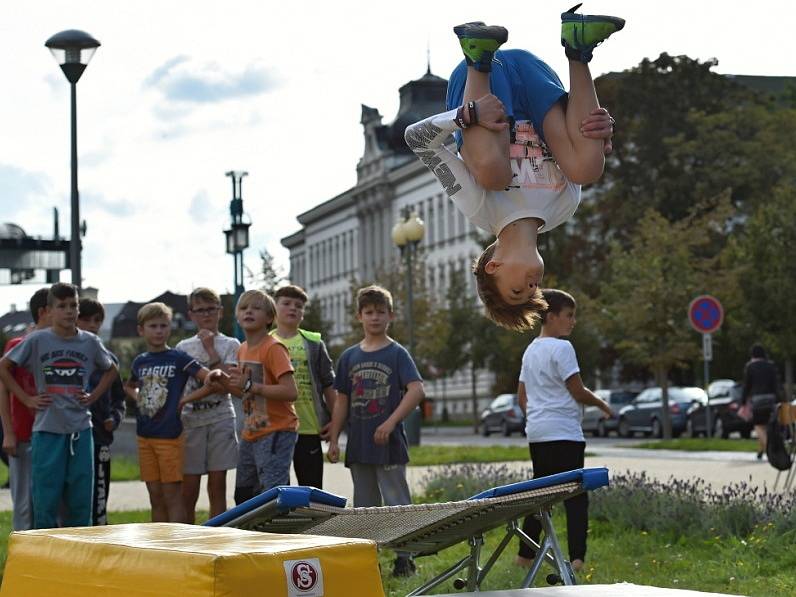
x=237, y=236
x=72, y=50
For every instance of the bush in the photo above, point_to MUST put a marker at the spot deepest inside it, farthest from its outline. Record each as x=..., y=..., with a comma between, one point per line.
x=680, y=508
x=460, y=481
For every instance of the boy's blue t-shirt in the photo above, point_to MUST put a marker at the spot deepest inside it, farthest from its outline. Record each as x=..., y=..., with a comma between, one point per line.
x=162, y=377
x=375, y=383
x=525, y=84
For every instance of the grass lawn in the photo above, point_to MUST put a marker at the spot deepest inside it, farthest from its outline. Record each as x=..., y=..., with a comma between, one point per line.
x=761, y=565
x=430, y=455
x=701, y=444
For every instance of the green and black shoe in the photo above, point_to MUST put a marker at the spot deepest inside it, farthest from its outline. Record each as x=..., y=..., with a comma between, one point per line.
x=580, y=34
x=480, y=42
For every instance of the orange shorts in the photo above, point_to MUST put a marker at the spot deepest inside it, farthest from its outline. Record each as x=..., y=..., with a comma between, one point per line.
x=160, y=459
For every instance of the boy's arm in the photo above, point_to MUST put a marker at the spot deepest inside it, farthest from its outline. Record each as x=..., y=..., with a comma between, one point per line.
x=522, y=396
x=9, y=437
x=200, y=392
x=37, y=402
x=111, y=373
x=339, y=416
x=414, y=394
x=330, y=397
x=117, y=404
x=582, y=395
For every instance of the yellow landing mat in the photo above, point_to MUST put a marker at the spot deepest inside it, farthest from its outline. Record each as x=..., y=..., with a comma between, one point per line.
x=190, y=561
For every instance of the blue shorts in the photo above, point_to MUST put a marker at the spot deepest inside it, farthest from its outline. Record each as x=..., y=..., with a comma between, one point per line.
x=525, y=84
x=265, y=462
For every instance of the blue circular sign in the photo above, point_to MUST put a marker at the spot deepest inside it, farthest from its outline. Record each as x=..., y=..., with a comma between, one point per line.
x=705, y=314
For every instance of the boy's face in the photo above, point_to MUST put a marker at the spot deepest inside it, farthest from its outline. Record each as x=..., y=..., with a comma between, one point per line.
x=253, y=317
x=63, y=313
x=289, y=311
x=156, y=331
x=205, y=314
x=517, y=279
x=561, y=324
x=375, y=319
x=90, y=324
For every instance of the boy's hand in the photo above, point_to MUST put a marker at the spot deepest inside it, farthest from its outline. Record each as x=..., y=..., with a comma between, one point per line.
x=37, y=402
x=324, y=432
x=491, y=114
x=84, y=398
x=599, y=124
x=333, y=454
x=217, y=378
x=239, y=376
x=382, y=433
x=609, y=413
x=108, y=425
x=10, y=444
x=206, y=337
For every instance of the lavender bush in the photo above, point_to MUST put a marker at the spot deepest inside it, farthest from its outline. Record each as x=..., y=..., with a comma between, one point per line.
x=460, y=481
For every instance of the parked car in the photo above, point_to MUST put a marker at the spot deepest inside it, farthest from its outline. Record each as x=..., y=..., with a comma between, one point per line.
x=725, y=400
x=644, y=413
x=594, y=420
x=503, y=414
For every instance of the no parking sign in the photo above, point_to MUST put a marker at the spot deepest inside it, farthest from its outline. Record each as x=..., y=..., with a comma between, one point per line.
x=706, y=314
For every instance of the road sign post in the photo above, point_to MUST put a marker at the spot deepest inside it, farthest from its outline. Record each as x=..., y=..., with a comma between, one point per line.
x=706, y=316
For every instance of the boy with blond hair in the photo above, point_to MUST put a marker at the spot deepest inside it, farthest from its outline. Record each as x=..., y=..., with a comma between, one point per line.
x=264, y=380
x=62, y=359
x=157, y=380
x=211, y=440
x=377, y=385
x=314, y=379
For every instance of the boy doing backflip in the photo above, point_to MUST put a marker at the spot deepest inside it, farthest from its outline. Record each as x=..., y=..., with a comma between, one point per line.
x=526, y=147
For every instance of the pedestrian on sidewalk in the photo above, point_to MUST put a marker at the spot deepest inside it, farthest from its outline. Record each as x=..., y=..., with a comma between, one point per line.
x=761, y=388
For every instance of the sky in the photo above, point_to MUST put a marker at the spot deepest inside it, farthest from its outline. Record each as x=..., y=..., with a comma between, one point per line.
x=181, y=92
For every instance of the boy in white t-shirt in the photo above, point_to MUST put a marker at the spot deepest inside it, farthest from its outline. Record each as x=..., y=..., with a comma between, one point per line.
x=552, y=392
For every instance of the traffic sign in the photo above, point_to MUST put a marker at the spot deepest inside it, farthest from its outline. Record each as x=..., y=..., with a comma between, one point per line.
x=705, y=314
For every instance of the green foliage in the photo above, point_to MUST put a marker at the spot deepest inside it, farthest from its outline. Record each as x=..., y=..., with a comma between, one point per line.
x=313, y=318
x=700, y=444
x=271, y=276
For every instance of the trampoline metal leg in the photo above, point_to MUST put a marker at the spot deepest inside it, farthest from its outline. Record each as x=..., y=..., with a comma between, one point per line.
x=550, y=550
x=441, y=578
x=510, y=528
x=474, y=572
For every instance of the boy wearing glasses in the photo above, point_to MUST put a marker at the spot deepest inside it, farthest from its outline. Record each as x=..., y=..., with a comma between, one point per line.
x=211, y=441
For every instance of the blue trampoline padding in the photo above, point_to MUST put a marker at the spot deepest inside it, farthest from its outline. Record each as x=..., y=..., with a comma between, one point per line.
x=286, y=498
x=591, y=478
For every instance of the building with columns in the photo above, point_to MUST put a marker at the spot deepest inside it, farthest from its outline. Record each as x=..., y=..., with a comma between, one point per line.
x=349, y=236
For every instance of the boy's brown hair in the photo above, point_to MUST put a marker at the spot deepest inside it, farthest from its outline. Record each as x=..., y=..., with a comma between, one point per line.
x=292, y=291
x=153, y=311
x=556, y=301
x=89, y=307
x=518, y=318
x=258, y=297
x=375, y=296
x=208, y=295
x=61, y=291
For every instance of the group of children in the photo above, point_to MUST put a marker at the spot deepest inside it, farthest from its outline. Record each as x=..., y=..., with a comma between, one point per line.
x=63, y=398
x=526, y=146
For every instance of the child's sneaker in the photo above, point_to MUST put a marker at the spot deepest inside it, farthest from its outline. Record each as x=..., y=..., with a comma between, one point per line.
x=580, y=34
x=480, y=42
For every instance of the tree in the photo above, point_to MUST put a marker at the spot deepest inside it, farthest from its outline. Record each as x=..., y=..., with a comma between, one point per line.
x=770, y=274
x=313, y=318
x=271, y=275
x=644, y=299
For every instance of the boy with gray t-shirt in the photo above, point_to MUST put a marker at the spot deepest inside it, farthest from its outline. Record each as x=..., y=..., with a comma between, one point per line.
x=61, y=359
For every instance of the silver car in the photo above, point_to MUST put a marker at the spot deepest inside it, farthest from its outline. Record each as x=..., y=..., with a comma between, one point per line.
x=595, y=421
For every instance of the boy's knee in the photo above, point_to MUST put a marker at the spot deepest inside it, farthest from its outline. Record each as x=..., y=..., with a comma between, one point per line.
x=493, y=176
x=588, y=172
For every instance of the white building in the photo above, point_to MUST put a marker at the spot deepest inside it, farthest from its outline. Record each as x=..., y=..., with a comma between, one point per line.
x=349, y=236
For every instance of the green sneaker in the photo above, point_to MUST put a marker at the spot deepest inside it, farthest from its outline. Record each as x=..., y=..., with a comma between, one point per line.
x=480, y=42
x=580, y=34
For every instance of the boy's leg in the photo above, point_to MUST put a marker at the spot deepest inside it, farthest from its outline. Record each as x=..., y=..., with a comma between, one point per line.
x=395, y=491
x=157, y=501
x=366, y=485
x=21, y=483
x=195, y=466
x=172, y=497
x=222, y=455
x=48, y=460
x=190, y=495
x=273, y=455
x=170, y=454
x=79, y=492
x=246, y=475
x=102, y=482
x=308, y=460
x=485, y=152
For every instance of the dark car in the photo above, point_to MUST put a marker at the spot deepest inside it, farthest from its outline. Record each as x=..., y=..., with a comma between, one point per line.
x=503, y=414
x=594, y=420
x=644, y=413
x=725, y=401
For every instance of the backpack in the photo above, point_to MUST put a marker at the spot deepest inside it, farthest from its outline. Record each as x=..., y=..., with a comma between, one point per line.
x=776, y=451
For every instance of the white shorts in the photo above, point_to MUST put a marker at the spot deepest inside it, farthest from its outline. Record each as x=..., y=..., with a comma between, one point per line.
x=211, y=447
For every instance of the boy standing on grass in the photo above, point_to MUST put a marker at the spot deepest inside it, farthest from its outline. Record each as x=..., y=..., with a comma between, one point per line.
x=62, y=359
x=552, y=392
x=211, y=440
x=377, y=385
x=18, y=424
x=315, y=380
x=156, y=384
x=106, y=414
x=264, y=380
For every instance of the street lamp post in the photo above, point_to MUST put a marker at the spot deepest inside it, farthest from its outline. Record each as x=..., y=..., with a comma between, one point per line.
x=72, y=50
x=407, y=234
x=237, y=236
